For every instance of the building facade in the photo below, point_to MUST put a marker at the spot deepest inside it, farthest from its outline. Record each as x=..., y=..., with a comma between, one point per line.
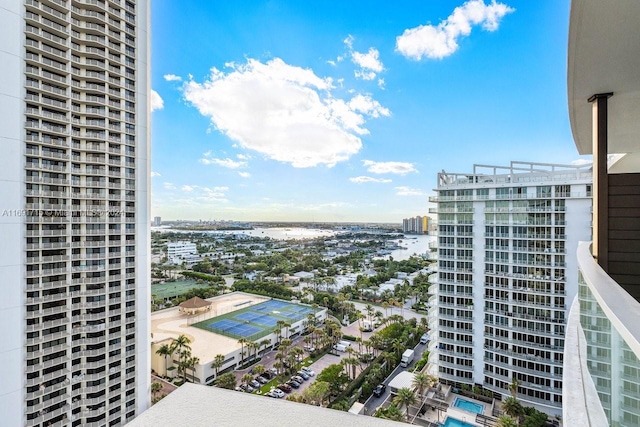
x=416, y=225
x=74, y=258
x=602, y=355
x=179, y=250
x=506, y=236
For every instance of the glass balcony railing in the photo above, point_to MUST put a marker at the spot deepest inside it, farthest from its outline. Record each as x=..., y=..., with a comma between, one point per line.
x=602, y=351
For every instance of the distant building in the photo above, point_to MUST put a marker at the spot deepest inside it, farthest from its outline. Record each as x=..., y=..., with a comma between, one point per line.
x=180, y=250
x=416, y=225
x=157, y=221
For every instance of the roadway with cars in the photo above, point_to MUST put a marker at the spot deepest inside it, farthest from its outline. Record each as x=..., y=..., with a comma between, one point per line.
x=374, y=402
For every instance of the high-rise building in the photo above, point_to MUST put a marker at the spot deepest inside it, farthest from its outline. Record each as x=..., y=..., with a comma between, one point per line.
x=157, y=221
x=74, y=196
x=506, y=272
x=416, y=225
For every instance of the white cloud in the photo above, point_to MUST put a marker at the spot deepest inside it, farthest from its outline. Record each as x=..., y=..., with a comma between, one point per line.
x=169, y=186
x=241, y=156
x=369, y=64
x=156, y=101
x=349, y=41
x=284, y=112
x=225, y=163
x=154, y=174
x=363, y=179
x=437, y=42
x=332, y=63
x=244, y=174
x=407, y=191
x=400, y=168
x=381, y=83
x=172, y=78
x=187, y=188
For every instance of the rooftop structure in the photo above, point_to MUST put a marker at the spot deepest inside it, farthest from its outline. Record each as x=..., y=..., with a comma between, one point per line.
x=217, y=329
x=506, y=235
x=74, y=177
x=602, y=357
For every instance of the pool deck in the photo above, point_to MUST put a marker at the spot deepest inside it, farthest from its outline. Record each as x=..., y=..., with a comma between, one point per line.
x=436, y=415
x=170, y=323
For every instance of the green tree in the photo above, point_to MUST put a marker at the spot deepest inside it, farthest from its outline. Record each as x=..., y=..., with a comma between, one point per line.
x=512, y=407
x=156, y=387
x=166, y=351
x=513, y=387
x=421, y=382
x=405, y=398
x=227, y=381
x=242, y=342
x=217, y=363
x=506, y=421
x=334, y=376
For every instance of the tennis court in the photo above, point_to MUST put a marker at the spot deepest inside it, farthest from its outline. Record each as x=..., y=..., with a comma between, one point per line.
x=256, y=321
x=233, y=327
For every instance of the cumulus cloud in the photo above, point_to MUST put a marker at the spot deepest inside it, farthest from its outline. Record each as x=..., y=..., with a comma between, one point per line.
x=400, y=168
x=156, y=101
x=172, y=78
x=369, y=64
x=154, y=174
x=363, y=179
x=244, y=174
x=439, y=41
x=407, y=191
x=169, y=186
x=284, y=112
x=187, y=188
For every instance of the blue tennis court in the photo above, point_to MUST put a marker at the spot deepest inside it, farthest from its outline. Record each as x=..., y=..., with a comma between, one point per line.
x=267, y=321
x=233, y=327
x=247, y=315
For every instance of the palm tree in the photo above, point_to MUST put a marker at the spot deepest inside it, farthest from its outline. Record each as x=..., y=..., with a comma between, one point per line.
x=264, y=343
x=506, y=421
x=164, y=350
x=421, y=382
x=512, y=407
x=242, y=342
x=217, y=363
x=513, y=387
x=155, y=388
x=279, y=325
x=247, y=378
x=259, y=369
x=193, y=361
x=405, y=398
x=370, y=310
x=180, y=343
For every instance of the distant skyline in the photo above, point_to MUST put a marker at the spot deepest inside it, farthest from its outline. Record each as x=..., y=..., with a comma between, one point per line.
x=345, y=111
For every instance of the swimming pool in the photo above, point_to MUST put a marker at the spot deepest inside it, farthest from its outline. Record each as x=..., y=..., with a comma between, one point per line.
x=454, y=422
x=469, y=406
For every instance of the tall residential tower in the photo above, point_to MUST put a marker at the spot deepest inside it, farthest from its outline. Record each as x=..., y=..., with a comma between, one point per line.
x=506, y=273
x=74, y=211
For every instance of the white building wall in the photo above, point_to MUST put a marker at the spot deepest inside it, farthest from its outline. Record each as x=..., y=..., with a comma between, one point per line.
x=12, y=307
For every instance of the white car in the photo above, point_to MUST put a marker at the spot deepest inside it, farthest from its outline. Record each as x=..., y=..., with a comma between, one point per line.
x=277, y=393
x=308, y=371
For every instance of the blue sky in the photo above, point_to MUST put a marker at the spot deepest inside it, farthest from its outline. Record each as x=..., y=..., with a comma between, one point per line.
x=346, y=110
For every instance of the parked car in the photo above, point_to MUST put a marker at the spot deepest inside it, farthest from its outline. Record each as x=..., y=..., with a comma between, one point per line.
x=270, y=394
x=273, y=371
x=239, y=389
x=255, y=384
x=267, y=375
x=261, y=379
x=307, y=370
x=284, y=387
x=303, y=374
x=293, y=384
x=277, y=393
x=298, y=378
x=377, y=392
x=249, y=389
x=309, y=348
